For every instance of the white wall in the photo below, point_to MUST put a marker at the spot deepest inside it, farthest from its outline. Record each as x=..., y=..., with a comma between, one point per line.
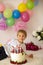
x=35, y=22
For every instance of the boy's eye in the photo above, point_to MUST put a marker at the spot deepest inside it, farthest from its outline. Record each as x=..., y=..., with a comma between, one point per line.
x=23, y=36
x=19, y=35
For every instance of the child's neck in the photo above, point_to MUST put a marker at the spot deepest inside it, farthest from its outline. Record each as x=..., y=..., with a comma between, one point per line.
x=20, y=42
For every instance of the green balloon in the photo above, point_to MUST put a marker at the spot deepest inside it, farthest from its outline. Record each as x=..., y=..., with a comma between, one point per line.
x=10, y=21
x=7, y=13
x=30, y=5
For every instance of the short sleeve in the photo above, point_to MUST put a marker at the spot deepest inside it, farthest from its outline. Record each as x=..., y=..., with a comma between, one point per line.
x=13, y=42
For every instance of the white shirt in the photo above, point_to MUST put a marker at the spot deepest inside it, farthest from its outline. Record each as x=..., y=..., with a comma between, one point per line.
x=14, y=43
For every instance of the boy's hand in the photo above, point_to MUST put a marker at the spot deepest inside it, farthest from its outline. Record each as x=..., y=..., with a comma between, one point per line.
x=29, y=56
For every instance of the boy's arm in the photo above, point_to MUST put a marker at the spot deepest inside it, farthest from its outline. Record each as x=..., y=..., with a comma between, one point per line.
x=6, y=49
x=29, y=56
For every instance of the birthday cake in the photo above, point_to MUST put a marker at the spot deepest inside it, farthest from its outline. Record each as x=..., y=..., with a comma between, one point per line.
x=18, y=56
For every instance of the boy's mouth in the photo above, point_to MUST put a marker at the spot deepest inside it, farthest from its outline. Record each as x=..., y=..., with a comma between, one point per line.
x=21, y=41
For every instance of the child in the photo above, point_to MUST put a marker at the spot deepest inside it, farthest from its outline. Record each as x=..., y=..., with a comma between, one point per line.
x=21, y=36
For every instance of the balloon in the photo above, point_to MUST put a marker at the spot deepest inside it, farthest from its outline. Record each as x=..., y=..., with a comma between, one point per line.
x=10, y=21
x=25, y=16
x=30, y=5
x=0, y=44
x=1, y=15
x=33, y=0
x=20, y=25
x=36, y=2
x=22, y=7
x=7, y=13
x=30, y=12
x=3, y=25
x=2, y=7
x=2, y=19
x=16, y=14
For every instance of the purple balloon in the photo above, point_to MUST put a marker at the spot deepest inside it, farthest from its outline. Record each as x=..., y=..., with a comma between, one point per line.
x=3, y=25
x=25, y=16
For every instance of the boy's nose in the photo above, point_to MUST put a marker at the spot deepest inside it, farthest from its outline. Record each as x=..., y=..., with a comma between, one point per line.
x=21, y=37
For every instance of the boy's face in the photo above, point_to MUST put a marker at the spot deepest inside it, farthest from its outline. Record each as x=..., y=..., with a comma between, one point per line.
x=21, y=37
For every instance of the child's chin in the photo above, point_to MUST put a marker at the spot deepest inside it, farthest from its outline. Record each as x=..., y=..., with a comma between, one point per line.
x=21, y=41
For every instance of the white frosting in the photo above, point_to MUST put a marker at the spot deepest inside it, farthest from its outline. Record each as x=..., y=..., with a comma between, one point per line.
x=18, y=57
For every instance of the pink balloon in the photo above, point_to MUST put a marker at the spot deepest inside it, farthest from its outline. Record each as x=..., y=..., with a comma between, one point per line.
x=25, y=16
x=2, y=7
x=20, y=25
x=3, y=25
